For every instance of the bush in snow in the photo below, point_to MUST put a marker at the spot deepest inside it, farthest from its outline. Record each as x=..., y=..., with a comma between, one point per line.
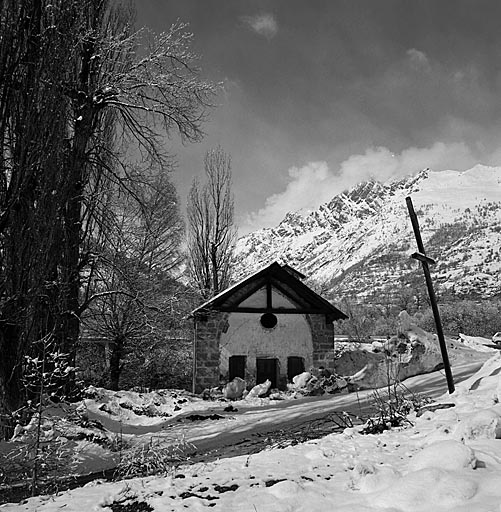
x=393, y=405
x=48, y=378
x=152, y=459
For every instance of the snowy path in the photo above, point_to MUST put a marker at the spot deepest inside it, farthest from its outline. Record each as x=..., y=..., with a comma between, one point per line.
x=288, y=414
x=236, y=431
x=447, y=461
x=247, y=429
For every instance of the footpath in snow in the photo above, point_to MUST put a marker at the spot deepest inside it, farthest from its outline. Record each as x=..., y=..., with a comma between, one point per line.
x=448, y=460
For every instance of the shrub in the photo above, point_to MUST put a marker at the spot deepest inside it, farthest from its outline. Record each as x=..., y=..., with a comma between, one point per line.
x=152, y=459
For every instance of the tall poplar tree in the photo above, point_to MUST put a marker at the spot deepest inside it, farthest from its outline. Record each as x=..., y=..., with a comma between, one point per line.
x=76, y=78
x=211, y=229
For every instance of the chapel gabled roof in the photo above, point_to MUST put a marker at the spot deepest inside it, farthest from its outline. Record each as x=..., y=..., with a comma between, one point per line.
x=281, y=277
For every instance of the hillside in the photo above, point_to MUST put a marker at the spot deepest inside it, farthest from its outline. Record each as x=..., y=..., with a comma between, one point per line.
x=359, y=243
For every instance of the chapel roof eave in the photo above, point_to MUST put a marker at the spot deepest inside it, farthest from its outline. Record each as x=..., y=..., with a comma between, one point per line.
x=285, y=278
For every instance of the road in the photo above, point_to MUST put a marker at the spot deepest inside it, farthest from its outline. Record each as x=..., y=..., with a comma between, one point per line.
x=249, y=430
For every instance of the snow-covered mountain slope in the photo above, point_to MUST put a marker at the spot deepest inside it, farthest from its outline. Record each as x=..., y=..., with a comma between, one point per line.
x=359, y=244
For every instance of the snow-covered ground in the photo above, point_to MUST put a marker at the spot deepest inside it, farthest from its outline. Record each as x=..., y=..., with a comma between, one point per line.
x=448, y=460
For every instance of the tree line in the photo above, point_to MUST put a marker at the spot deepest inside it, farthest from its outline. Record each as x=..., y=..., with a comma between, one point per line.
x=458, y=316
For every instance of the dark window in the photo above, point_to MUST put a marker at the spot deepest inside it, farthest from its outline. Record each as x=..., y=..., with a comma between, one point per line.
x=237, y=367
x=268, y=320
x=267, y=369
x=295, y=366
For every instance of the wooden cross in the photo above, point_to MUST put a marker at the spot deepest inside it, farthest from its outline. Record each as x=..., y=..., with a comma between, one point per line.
x=425, y=262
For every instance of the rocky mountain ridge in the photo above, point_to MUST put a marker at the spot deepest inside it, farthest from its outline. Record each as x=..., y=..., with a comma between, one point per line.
x=358, y=245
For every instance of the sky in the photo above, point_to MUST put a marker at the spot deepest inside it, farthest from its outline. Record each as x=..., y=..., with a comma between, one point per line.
x=319, y=95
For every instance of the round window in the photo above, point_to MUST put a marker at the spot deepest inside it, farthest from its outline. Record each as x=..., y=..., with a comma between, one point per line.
x=268, y=320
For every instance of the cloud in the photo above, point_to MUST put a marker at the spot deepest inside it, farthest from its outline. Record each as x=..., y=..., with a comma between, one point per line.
x=381, y=164
x=315, y=183
x=304, y=185
x=418, y=59
x=263, y=24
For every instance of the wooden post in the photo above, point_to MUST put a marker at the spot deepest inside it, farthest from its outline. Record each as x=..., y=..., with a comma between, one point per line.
x=425, y=262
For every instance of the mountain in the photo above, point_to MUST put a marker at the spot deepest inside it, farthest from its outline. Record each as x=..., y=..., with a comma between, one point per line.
x=359, y=244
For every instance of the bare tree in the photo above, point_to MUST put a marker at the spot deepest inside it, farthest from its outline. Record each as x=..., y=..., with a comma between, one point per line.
x=112, y=78
x=75, y=79
x=211, y=230
x=138, y=249
x=32, y=148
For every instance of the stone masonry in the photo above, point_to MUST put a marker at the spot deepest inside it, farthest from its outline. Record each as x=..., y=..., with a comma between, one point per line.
x=323, y=341
x=207, y=346
x=206, y=362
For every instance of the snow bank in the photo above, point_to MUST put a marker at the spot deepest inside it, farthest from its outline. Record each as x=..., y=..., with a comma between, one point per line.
x=449, y=460
x=476, y=343
x=234, y=389
x=412, y=352
x=452, y=455
x=301, y=380
x=259, y=390
x=140, y=408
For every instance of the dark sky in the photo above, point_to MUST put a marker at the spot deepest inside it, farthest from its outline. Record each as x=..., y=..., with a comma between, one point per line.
x=321, y=94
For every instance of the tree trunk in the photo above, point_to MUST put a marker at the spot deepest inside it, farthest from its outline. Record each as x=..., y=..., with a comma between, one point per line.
x=10, y=377
x=215, y=269
x=76, y=169
x=117, y=348
x=70, y=321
